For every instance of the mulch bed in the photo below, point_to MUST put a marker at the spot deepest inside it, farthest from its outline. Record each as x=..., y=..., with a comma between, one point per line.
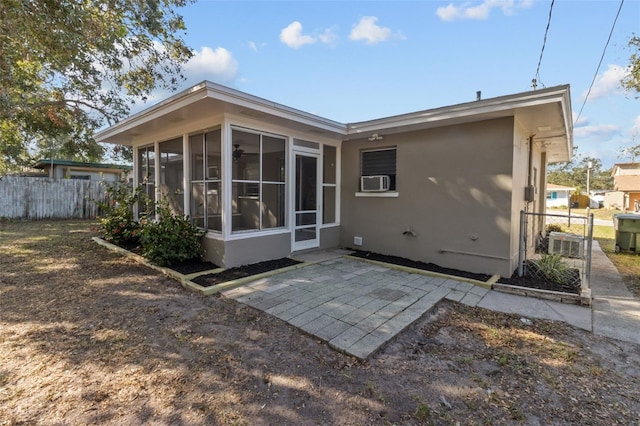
x=191, y=266
x=538, y=281
x=244, y=271
x=432, y=267
x=186, y=267
x=528, y=281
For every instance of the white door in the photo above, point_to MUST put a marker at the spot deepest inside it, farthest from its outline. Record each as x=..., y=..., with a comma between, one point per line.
x=306, y=202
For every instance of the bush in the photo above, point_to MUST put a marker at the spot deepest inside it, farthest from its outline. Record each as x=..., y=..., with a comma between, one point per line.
x=554, y=268
x=170, y=238
x=552, y=227
x=117, y=224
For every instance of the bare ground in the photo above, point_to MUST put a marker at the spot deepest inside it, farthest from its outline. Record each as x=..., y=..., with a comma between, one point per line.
x=88, y=337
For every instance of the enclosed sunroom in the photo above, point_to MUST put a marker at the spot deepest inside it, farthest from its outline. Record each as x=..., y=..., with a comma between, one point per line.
x=261, y=178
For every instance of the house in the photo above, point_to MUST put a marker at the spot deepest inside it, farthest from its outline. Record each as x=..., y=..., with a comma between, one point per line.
x=626, y=185
x=444, y=185
x=60, y=169
x=558, y=195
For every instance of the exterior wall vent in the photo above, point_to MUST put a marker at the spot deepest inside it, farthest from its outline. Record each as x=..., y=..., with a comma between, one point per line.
x=567, y=245
x=374, y=183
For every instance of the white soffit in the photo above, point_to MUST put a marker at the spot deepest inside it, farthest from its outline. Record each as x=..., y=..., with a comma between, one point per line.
x=210, y=99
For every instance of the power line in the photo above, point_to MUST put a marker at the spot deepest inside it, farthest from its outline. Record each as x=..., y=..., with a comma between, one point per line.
x=600, y=63
x=536, y=80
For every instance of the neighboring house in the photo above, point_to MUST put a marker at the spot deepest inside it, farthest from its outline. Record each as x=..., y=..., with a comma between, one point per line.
x=60, y=169
x=444, y=185
x=558, y=195
x=626, y=185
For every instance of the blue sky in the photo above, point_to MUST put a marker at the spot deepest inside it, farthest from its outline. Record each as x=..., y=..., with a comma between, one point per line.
x=356, y=60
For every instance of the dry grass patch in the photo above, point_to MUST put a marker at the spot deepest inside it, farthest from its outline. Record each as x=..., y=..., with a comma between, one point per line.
x=107, y=341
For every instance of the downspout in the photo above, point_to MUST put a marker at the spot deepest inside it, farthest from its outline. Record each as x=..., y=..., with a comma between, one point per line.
x=529, y=169
x=528, y=195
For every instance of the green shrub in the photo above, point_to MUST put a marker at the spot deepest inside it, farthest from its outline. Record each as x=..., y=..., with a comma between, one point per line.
x=117, y=224
x=554, y=268
x=552, y=227
x=170, y=238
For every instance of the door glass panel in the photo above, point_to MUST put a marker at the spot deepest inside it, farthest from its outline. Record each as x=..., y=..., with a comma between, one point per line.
x=306, y=200
x=306, y=183
x=307, y=218
x=305, y=234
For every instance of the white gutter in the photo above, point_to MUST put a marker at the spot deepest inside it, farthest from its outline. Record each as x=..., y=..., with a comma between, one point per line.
x=207, y=89
x=488, y=106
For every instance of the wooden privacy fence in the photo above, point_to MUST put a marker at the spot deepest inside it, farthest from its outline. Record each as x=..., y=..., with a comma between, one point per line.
x=37, y=198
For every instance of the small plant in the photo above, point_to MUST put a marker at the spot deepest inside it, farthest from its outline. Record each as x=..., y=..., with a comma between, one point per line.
x=170, y=238
x=554, y=268
x=117, y=224
x=423, y=412
x=552, y=227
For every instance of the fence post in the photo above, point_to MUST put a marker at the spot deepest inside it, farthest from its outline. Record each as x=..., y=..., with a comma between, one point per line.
x=587, y=272
x=523, y=243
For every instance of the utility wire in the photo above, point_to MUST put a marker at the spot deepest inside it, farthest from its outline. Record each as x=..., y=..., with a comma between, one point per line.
x=600, y=63
x=536, y=80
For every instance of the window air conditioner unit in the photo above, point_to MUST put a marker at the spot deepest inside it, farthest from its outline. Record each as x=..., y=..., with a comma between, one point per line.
x=374, y=183
x=567, y=245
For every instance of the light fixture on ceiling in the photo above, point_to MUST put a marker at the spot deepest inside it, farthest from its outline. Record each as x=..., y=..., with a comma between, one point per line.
x=544, y=128
x=375, y=137
x=237, y=152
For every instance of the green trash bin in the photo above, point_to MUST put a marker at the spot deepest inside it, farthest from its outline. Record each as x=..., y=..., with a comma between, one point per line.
x=627, y=227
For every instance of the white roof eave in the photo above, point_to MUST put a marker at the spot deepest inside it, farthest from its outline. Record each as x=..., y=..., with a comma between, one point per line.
x=207, y=89
x=463, y=111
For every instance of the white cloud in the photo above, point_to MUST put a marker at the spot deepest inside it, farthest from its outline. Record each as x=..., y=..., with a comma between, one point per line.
x=292, y=36
x=255, y=46
x=367, y=30
x=608, y=82
x=217, y=65
x=583, y=120
x=480, y=11
x=328, y=36
x=601, y=131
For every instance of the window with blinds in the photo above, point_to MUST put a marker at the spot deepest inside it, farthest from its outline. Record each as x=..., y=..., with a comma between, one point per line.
x=380, y=162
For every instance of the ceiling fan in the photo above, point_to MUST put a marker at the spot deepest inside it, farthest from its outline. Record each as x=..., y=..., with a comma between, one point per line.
x=237, y=152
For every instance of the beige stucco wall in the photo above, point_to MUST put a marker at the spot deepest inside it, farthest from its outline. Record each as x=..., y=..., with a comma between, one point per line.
x=526, y=173
x=456, y=193
x=244, y=251
x=329, y=237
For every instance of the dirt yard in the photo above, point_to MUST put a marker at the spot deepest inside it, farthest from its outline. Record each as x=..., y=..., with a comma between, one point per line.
x=88, y=337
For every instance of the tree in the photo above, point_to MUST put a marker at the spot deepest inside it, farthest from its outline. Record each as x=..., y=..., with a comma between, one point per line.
x=632, y=81
x=631, y=152
x=574, y=173
x=69, y=66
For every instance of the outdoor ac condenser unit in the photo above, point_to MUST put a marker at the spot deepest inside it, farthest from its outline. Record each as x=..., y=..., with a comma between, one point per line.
x=374, y=183
x=568, y=245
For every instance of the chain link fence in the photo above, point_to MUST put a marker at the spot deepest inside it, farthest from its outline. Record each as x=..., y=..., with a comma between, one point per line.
x=556, y=248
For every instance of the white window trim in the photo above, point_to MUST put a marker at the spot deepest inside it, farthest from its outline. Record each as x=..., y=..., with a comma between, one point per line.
x=386, y=194
x=229, y=233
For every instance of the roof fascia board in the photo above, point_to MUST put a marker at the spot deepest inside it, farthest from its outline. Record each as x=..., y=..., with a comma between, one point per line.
x=568, y=121
x=255, y=103
x=171, y=104
x=494, y=105
x=223, y=94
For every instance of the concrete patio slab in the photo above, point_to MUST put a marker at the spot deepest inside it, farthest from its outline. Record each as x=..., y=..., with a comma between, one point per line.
x=357, y=307
x=354, y=306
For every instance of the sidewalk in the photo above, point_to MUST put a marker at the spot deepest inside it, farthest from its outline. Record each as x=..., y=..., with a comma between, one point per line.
x=616, y=313
x=357, y=307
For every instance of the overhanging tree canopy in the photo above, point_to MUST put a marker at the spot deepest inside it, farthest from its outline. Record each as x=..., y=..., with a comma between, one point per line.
x=67, y=66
